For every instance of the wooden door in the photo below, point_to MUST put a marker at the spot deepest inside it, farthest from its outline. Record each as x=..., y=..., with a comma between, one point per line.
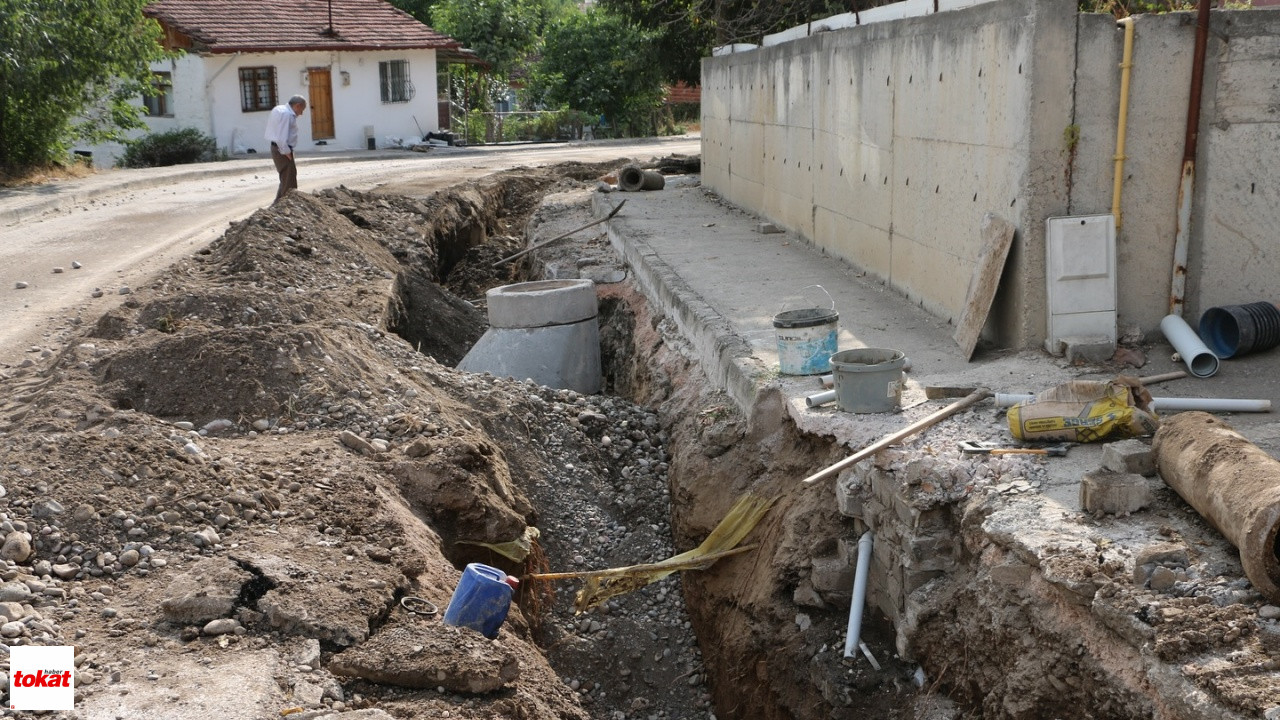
x=321, y=104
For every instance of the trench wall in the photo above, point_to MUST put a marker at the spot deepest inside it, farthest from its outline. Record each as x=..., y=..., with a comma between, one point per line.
x=885, y=143
x=960, y=572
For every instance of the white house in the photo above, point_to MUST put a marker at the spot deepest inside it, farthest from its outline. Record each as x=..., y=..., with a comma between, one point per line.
x=367, y=69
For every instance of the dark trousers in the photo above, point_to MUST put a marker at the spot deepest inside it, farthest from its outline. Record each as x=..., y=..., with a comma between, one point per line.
x=287, y=169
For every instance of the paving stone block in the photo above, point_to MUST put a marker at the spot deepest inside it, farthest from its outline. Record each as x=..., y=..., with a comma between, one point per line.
x=832, y=577
x=1088, y=350
x=1012, y=575
x=1129, y=456
x=849, y=498
x=873, y=514
x=884, y=485
x=886, y=553
x=1109, y=493
x=1166, y=553
x=930, y=552
x=913, y=580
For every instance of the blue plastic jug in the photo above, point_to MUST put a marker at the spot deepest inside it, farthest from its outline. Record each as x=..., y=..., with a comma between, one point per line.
x=480, y=601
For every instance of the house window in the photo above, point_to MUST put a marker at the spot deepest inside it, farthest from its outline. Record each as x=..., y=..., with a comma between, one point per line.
x=257, y=88
x=160, y=104
x=394, y=77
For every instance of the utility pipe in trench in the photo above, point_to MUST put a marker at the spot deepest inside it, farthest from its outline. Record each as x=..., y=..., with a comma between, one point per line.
x=1232, y=483
x=1182, y=237
x=1122, y=123
x=853, y=635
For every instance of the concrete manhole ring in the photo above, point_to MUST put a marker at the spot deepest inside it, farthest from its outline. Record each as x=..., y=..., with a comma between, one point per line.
x=542, y=303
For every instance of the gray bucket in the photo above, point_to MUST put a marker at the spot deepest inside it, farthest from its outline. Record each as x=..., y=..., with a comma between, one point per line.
x=868, y=380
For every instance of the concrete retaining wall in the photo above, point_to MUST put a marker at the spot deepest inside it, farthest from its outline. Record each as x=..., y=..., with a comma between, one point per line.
x=885, y=144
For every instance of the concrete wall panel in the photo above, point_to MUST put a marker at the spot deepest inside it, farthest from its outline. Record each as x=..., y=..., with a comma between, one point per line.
x=843, y=236
x=1159, y=87
x=1239, y=258
x=922, y=125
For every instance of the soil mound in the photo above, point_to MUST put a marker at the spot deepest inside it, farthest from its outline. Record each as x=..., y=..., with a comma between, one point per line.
x=246, y=466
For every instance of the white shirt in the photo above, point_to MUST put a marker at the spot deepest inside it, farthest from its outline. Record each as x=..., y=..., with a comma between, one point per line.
x=282, y=128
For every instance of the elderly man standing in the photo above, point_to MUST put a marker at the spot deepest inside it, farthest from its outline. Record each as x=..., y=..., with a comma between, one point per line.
x=282, y=131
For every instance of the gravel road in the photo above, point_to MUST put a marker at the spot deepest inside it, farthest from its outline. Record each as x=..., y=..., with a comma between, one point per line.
x=121, y=228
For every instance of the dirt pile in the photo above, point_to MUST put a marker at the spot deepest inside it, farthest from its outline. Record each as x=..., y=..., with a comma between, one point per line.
x=222, y=491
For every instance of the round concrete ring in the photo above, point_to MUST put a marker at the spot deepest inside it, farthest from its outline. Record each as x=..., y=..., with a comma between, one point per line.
x=542, y=303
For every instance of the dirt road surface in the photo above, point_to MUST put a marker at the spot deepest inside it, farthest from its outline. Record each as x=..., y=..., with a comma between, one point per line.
x=120, y=239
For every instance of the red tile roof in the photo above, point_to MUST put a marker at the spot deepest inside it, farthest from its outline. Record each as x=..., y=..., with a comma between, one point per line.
x=227, y=26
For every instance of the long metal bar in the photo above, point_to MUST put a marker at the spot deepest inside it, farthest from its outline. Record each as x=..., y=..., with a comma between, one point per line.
x=1182, y=237
x=545, y=243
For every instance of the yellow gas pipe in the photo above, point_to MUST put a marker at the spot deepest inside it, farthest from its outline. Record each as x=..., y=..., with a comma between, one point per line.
x=1125, y=66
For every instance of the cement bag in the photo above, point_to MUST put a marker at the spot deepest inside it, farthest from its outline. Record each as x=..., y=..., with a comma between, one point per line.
x=1086, y=411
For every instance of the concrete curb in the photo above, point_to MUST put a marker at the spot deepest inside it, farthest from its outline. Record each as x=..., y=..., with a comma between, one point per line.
x=724, y=355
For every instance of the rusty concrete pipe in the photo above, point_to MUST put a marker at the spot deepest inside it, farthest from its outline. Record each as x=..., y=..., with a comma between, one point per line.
x=633, y=178
x=1232, y=483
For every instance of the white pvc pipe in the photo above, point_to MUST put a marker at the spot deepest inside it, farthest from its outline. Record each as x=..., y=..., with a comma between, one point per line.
x=853, y=634
x=821, y=398
x=1210, y=405
x=1011, y=399
x=1199, y=360
x=1171, y=404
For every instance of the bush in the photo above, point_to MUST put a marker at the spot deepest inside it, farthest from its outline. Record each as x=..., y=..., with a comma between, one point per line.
x=174, y=147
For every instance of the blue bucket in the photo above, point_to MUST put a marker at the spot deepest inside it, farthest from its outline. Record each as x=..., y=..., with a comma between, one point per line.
x=806, y=340
x=480, y=601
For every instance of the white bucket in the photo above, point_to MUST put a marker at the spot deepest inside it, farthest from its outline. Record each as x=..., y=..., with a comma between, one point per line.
x=806, y=340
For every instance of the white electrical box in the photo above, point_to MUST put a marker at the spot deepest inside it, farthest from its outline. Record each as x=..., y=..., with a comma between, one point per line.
x=1080, y=267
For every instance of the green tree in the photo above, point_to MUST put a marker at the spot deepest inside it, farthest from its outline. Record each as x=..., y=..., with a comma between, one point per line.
x=504, y=33
x=683, y=36
x=598, y=62
x=70, y=70
x=688, y=29
x=420, y=9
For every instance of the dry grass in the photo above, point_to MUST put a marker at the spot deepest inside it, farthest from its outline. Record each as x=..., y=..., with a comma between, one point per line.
x=42, y=175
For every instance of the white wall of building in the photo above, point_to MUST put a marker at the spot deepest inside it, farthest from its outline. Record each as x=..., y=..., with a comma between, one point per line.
x=356, y=99
x=206, y=96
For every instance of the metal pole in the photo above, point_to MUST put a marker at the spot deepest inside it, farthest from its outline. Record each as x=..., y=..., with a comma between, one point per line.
x=1182, y=238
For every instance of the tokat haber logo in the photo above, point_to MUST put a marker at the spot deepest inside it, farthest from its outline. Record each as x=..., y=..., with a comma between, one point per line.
x=42, y=678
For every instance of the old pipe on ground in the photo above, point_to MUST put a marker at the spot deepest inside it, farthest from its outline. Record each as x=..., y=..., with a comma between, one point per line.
x=1171, y=404
x=1232, y=483
x=1182, y=236
x=1199, y=360
x=1122, y=123
x=632, y=178
x=854, y=632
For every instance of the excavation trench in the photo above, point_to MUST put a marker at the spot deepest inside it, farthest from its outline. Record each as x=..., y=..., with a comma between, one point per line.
x=642, y=656
x=287, y=398
x=969, y=611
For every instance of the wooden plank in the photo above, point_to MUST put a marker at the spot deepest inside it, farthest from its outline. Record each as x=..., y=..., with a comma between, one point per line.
x=997, y=238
